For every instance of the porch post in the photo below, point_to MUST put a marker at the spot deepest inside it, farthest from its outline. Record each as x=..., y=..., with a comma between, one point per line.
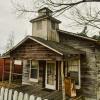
x=10, y=73
x=62, y=78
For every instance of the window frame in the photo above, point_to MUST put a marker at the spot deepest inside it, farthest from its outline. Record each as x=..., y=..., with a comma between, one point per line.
x=39, y=25
x=53, y=25
x=78, y=86
x=34, y=79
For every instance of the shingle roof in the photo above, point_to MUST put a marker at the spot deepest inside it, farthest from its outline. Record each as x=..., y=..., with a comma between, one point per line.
x=64, y=49
x=76, y=35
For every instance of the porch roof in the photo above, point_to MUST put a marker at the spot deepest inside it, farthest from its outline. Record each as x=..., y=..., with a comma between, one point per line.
x=54, y=46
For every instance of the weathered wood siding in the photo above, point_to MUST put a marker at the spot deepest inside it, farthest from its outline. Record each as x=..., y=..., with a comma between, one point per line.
x=1, y=68
x=88, y=64
x=98, y=71
x=33, y=50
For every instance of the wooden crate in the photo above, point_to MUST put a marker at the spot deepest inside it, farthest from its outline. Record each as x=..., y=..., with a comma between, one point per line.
x=70, y=87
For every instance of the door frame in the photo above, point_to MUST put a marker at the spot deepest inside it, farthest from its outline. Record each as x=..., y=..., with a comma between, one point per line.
x=53, y=87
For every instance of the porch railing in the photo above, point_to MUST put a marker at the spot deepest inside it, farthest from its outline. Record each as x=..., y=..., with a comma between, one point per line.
x=9, y=94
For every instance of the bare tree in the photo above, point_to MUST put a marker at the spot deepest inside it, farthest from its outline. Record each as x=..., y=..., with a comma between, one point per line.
x=10, y=42
x=57, y=5
x=90, y=17
x=84, y=17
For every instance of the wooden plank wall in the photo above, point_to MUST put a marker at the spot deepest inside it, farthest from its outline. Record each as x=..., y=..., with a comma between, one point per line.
x=33, y=50
x=1, y=68
x=98, y=71
x=6, y=68
x=88, y=64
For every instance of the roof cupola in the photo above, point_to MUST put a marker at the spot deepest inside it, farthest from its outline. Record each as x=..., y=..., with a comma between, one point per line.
x=45, y=26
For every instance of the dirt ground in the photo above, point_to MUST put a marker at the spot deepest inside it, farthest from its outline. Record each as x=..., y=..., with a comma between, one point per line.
x=11, y=85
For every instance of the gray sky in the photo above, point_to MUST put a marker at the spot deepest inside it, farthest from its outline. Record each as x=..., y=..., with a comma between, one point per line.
x=20, y=26
x=9, y=23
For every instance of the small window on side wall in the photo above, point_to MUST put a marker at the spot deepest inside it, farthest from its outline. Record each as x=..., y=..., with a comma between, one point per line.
x=53, y=25
x=74, y=71
x=39, y=25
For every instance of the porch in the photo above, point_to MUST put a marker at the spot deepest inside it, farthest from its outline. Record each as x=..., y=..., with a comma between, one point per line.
x=46, y=75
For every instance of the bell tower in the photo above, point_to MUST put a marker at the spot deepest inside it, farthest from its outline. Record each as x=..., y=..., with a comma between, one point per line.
x=45, y=26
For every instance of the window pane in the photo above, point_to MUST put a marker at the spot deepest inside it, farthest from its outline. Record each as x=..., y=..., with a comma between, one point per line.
x=39, y=25
x=53, y=25
x=34, y=73
x=34, y=69
x=34, y=64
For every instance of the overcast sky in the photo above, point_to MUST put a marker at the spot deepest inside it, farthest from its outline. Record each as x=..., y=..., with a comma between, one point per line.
x=10, y=23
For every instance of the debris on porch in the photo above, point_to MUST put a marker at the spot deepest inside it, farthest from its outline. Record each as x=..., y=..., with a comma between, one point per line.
x=37, y=90
x=12, y=85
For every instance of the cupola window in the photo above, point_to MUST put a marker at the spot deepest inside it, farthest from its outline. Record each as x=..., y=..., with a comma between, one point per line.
x=53, y=25
x=39, y=25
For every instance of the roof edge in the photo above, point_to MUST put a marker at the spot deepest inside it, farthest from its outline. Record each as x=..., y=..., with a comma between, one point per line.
x=76, y=35
x=32, y=38
x=44, y=17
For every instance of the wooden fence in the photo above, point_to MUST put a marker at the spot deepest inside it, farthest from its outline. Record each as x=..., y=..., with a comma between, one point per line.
x=9, y=94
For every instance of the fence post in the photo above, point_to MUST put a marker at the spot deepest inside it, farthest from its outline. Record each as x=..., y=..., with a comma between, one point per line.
x=32, y=97
x=20, y=96
x=39, y=98
x=6, y=94
x=10, y=94
x=26, y=96
x=15, y=95
x=2, y=93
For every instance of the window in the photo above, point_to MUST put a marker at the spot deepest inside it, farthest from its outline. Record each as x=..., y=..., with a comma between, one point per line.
x=74, y=70
x=34, y=71
x=53, y=25
x=18, y=62
x=39, y=25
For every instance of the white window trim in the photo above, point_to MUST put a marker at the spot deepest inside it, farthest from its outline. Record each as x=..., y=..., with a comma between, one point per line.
x=33, y=79
x=79, y=75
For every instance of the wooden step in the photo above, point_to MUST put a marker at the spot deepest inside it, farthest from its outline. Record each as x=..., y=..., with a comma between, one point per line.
x=74, y=98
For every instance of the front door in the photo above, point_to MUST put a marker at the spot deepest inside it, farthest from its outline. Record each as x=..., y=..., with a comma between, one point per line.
x=50, y=82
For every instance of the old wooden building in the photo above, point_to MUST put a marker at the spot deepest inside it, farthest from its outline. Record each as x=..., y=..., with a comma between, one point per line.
x=51, y=55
